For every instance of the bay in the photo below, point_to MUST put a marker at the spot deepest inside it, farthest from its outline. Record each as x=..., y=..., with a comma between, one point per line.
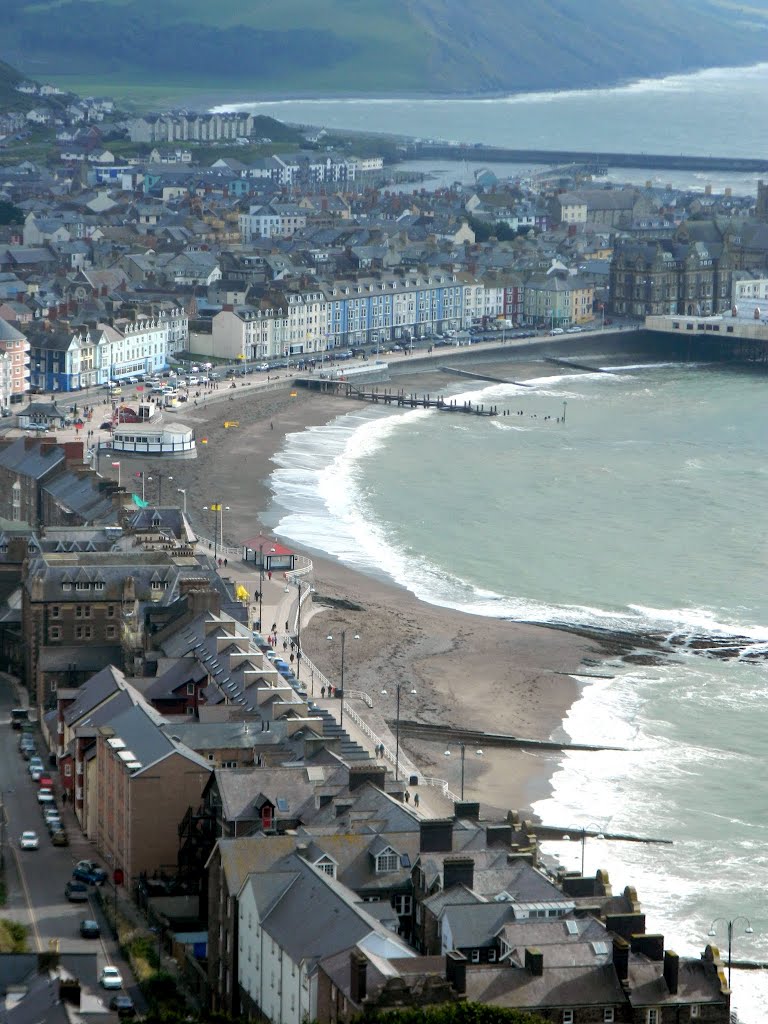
x=641, y=511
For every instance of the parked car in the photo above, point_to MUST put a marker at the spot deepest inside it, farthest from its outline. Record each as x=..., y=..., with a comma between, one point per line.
x=90, y=872
x=557, y=330
x=89, y=929
x=46, y=780
x=110, y=977
x=60, y=837
x=29, y=841
x=76, y=892
x=263, y=367
x=35, y=763
x=45, y=796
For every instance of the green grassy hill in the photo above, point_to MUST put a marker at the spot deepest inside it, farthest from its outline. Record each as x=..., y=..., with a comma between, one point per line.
x=363, y=46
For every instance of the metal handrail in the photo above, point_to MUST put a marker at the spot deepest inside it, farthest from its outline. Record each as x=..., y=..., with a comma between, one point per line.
x=360, y=695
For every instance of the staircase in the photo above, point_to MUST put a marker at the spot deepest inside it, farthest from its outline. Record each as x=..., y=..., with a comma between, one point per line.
x=348, y=749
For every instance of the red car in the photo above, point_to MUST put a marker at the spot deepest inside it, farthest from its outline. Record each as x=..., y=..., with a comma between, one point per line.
x=46, y=780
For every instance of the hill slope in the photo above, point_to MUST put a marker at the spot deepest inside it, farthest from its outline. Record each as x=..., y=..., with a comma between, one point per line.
x=362, y=46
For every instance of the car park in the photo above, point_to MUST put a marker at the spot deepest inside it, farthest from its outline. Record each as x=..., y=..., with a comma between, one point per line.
x=110, y=977
x=29, y=841
x=89, y=929
x=123, y=1005
x=76, y=892
x=45, y=796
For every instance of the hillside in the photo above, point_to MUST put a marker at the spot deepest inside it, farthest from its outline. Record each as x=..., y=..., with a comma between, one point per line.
x=362, y=46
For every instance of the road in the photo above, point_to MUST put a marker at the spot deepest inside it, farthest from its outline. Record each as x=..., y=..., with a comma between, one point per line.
x=35, y=879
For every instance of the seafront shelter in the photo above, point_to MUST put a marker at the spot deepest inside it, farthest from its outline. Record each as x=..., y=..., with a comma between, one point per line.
x=268, y=554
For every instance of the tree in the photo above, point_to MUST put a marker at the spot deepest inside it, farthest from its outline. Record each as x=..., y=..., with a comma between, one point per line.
x=10, y=214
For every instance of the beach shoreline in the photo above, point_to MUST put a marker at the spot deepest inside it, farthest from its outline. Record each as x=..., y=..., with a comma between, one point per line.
x=470, y=670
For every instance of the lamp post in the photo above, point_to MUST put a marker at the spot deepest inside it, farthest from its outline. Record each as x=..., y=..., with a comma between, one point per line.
x=183, y=490
x=462, y=748
x=298, y=639
x=749, y=930
x=398, y=687
x=583, y=830
x=160, y=476
x=343, y=636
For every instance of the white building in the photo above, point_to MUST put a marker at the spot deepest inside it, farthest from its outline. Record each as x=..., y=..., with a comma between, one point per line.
x=128, y=347
x=290, y=919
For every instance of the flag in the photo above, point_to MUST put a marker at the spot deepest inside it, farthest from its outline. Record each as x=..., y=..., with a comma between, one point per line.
x=216, y=508
x=241, y=593
x=115, y=464
x=139, y=475
x=203, y=440
x=138, y=502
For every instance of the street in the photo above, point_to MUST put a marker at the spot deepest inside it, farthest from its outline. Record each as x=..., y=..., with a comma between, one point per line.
x=35, y=879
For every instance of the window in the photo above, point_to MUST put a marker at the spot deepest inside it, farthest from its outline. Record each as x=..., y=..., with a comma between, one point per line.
x=55, y=611
x=402, y=904
x=491, y=956
x=54, y=633
x=475, y=956
x=567, y=1016
x=695, y=1011
x=326, y=865
x=608, y=1015
x=68, y=770
x=82, y=585
x=110, y=611
x=66, y=586
x=191, y=689
x=653, y=1017
x=388, y=861
x=111, y=632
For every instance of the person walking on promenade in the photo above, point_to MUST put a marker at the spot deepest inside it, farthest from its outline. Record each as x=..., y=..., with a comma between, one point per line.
x=407, y=796
x=322, y=692
x=285, y=645
x=415, y=799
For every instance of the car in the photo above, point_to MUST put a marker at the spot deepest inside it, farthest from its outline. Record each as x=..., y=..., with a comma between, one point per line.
x=110, y=977
x=29, y=841
x=106, y=425
x=110, y=385
x=76, y=892
x=36, y=774
x=131, y=380
x=123, y=1005
x=46, y=780
x=45, y=796
x=557, y=330
x=52, y=819
x=60, y=837
x=263, y=367
x=574, y=330
x=89, y=929
x=35, y=762
x=90, y=872
x=28, y=748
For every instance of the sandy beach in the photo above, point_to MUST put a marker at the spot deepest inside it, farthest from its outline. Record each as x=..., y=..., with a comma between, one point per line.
x=466, y=670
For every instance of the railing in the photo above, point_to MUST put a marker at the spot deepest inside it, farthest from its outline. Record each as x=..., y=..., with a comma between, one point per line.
x=316, y=673
x=223, y=551
x=360, y=695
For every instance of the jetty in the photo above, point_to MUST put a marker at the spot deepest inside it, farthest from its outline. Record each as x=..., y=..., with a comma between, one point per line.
x=571, y=365
x=398, y=399
x=456, y=372
x=445, y=733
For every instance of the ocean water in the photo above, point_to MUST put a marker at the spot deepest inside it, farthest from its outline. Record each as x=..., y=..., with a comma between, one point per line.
x=711, y=112
x=631, y=499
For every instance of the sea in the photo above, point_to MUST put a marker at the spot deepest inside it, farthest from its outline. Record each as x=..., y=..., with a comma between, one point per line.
x=632, y=500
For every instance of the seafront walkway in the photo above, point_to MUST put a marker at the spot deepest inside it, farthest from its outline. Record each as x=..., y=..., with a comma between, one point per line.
x=360, y=719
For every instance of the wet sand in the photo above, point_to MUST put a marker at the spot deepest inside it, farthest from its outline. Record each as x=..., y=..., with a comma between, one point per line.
x=466, y=669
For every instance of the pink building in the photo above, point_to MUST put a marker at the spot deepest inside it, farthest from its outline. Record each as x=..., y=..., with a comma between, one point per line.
x=14, y=350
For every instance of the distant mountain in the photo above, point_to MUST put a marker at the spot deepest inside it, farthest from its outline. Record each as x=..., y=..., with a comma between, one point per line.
x=364, y=46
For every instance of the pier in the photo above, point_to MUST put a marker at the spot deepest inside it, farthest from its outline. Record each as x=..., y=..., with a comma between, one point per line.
x=445, y=733
x=601, y=161
x=398, y=399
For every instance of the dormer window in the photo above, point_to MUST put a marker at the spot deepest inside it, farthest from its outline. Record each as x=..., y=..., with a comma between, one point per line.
x=326, y=865
x=387, y=861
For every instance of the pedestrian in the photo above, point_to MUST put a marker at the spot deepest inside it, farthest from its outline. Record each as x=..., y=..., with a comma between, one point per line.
x=225, y=563
x=285, y=645
x=274, y=627
x=292, y=657
x=219, y=563
x=407, y=796
x=64, y=796
x=322, y=692
x=271, y=425
x=286, y=625
x=269, y=577
x=415, y=799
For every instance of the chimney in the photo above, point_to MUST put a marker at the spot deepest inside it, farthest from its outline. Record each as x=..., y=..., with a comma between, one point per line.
x=671, y=971
x=621, y=959
x=69, y=991
x=625, y=925
x=456, y=971
x=458, y=871
x=498, y=835
x=651, y=946
x=534, y=961
x=436, y=835
x=362, y=773
x=467, y=809
x=358, y=976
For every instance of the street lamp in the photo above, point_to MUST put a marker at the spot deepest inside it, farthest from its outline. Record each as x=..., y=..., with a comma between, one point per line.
x=298, y=638
x=343, y=635
x=462, y=748
x=183, y=490
x=583, y=830
x=398, y=687
x=160, y=485
x=749, y=930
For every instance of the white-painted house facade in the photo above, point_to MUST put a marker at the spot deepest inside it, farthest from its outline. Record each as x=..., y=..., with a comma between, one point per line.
x=290, y=919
